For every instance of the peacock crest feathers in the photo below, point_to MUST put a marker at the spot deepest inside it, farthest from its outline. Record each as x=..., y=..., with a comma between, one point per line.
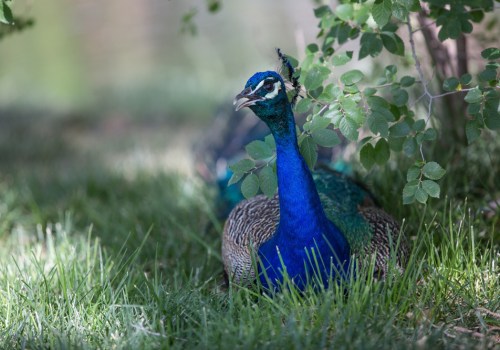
x=292, y=76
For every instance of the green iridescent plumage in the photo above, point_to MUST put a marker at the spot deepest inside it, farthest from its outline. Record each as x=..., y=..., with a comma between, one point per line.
x=341, y=199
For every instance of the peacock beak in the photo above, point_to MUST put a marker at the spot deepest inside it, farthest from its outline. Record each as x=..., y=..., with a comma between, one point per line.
x=246, y=98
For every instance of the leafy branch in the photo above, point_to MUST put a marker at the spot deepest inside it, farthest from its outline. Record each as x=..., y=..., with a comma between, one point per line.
x=381, y=112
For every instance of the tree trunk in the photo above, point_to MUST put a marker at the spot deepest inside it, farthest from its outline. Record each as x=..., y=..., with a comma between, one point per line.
x=450, y=109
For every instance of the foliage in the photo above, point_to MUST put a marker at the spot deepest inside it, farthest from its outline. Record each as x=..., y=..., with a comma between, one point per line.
x=9, y=23
x=188, y=23
x=6, y=16
x=385, y=115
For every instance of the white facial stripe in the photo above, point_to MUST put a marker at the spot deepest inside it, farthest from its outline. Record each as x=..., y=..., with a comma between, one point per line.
x=277, y=86
x=259, y=85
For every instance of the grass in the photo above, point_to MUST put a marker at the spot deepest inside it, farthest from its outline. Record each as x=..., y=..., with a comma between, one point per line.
x=98, y=259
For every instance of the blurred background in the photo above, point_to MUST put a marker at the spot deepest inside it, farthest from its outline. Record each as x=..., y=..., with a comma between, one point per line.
x=97, y=94
x=127, y=84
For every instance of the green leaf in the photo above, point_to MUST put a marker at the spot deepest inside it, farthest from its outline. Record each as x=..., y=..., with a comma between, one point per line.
x=492, y=65
x=319, y=122
x=348, y=128
x=326, y=23
x=477, y=15
x=330, y=93
x=371, y=45
x=235, y=178
x=386, y=113
x=301, y=137
x=369, y=91
x=451, y=84
x=408, y=200
x=400, y=129
x=303, y=105
x=213, y=6
x=412, y=5
x=325, y=137
x=365, y=140
x=488, y=75
x=269, y=139
x=334, y=114
x=421, y=195
x=382, y=152
x=361, y=15
x=393, y=43
x=250, y=185
x=431, y=188
x=396, y=143
x=315, y=77
x=312, y=48
x=341, y=58
x=382, y=12
x=352, y=110
x=491, y=53
x=419, y=125
x=351, y=77
x=268, y=181
x=391, y=70
x=454, y=28
x=419, y=138
x=433, y=171
x=306, y=64
x=344, y=11
x=474, y=108
x=399, y=11
x=377, y=101
x=491, y=118
x=259, y=150
x=409, y=192
x=343, y=33
x=6, y=13
x=410, y=146
x=465, y=79
x=308, y=151
x=413, y=173
x=378, y=124
x=429, y=135
x=472, y=131
x=407, y=81
x=465, y=26
x=316, y=92
x=400, y=97
x=322, y=11
x=242, y=166
x=357, y=115
x=367, y=156
x=473, y=96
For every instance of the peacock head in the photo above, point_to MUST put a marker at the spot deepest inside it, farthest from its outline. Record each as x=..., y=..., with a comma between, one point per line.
x=265, y=94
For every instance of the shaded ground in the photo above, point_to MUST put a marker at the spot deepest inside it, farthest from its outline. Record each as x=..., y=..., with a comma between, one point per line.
x=115, y=142
x=115, y=176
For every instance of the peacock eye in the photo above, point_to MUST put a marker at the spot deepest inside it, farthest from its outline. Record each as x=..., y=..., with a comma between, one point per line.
x=269, y=86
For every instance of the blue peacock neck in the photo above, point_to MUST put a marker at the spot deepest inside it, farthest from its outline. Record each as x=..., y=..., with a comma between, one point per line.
x=301, y=214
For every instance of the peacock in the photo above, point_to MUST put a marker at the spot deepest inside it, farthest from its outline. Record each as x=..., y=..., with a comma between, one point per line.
x=318, y=224
x=224, y=143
